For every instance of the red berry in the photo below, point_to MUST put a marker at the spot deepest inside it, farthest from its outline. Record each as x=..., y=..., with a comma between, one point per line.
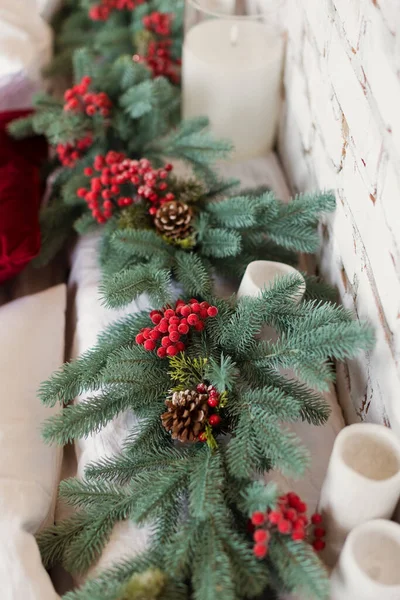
x=302, y=507
x=186, y=310
x=284, y=526
x=212, y=311
x=139, y=338
x=149, y=345
x=291, y=514
x=165, y=342
x=260, y=550
x=298, y=535
x=196, y=307
x=155, y=335
x=192, y=319
x=293, y=499
x=169, y=313
x=213, y=392
x=258, y=518
x=213, y=401
x=274, y=517
x=163, y=326
x=214, y=420
x=88, y=171
x=316, y=519
x=174, y=320
x=199, y=326
x=319, y=532
x=319, y=545
x=183, y=328
x=81, y=193
x=146, y=332
x=174, y=336
x=156, y=318
x=172, y=328
x=261, y=536
x=180, y=346
x=161, y=353
x=172, y=350
x=202, y=437
x=201, y=388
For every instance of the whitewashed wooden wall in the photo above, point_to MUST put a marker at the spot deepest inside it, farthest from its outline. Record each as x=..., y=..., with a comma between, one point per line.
x=340, y=129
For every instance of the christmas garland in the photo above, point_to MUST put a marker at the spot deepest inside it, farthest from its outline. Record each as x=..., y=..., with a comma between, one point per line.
x=158, y=226
x=210, y=398
x=208, y=393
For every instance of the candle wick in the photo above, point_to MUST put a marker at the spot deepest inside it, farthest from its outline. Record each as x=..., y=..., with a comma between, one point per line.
x=234, y=35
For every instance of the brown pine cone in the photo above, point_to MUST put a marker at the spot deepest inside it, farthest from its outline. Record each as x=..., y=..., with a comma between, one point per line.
x=174, y=220
x=186, y=416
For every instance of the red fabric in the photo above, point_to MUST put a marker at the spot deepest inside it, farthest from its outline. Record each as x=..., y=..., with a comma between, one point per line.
x=20, y=195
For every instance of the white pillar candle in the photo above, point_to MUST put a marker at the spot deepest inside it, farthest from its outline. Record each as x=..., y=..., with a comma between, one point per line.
x=362, y=482
x=261, y=274
x=225, y=7
x=232, y=74
x=368, y=568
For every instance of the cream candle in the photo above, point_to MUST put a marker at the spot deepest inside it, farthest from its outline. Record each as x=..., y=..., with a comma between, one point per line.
x=226, y=7
x=368, y=568
x=232, y=73
x=362, y=482
x=261, y=274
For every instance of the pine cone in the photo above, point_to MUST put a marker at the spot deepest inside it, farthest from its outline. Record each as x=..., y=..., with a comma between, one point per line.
x=186, y=416
x=173, y=219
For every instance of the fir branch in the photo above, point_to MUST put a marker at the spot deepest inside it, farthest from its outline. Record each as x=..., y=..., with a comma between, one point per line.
x=259, y=438
x=89, y=416
x=223, y=374
x=219, y=242
x=86, y=495
x=54, y=540
x=84, y=374
x=236, y=212
x=299, y=568
x=123, y=287
x=259, y=497
x=109, y=585
x=122, y=468
x=193, y=274
x=206, y=493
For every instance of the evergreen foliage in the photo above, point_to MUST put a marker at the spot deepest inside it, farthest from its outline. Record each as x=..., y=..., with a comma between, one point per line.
x=229, y=232
x=144, y=121
x=121, y=33
x=198, y=496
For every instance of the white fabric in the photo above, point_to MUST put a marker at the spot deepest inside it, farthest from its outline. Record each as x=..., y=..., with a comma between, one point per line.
x=47, y=8
x=25, y=49
x=32, y=347
x=91, y=319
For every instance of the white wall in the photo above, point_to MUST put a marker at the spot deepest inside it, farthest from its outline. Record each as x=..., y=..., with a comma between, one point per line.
x=340, y=129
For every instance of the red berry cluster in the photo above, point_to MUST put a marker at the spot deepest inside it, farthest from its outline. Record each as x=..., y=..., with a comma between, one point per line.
x=158, y=22
x=101, y=12
x=159, y=52
x=80, y=100
x=288, y=518
x=68, y=153
x=114, y=170
x=171, y=325
x=213, y=401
